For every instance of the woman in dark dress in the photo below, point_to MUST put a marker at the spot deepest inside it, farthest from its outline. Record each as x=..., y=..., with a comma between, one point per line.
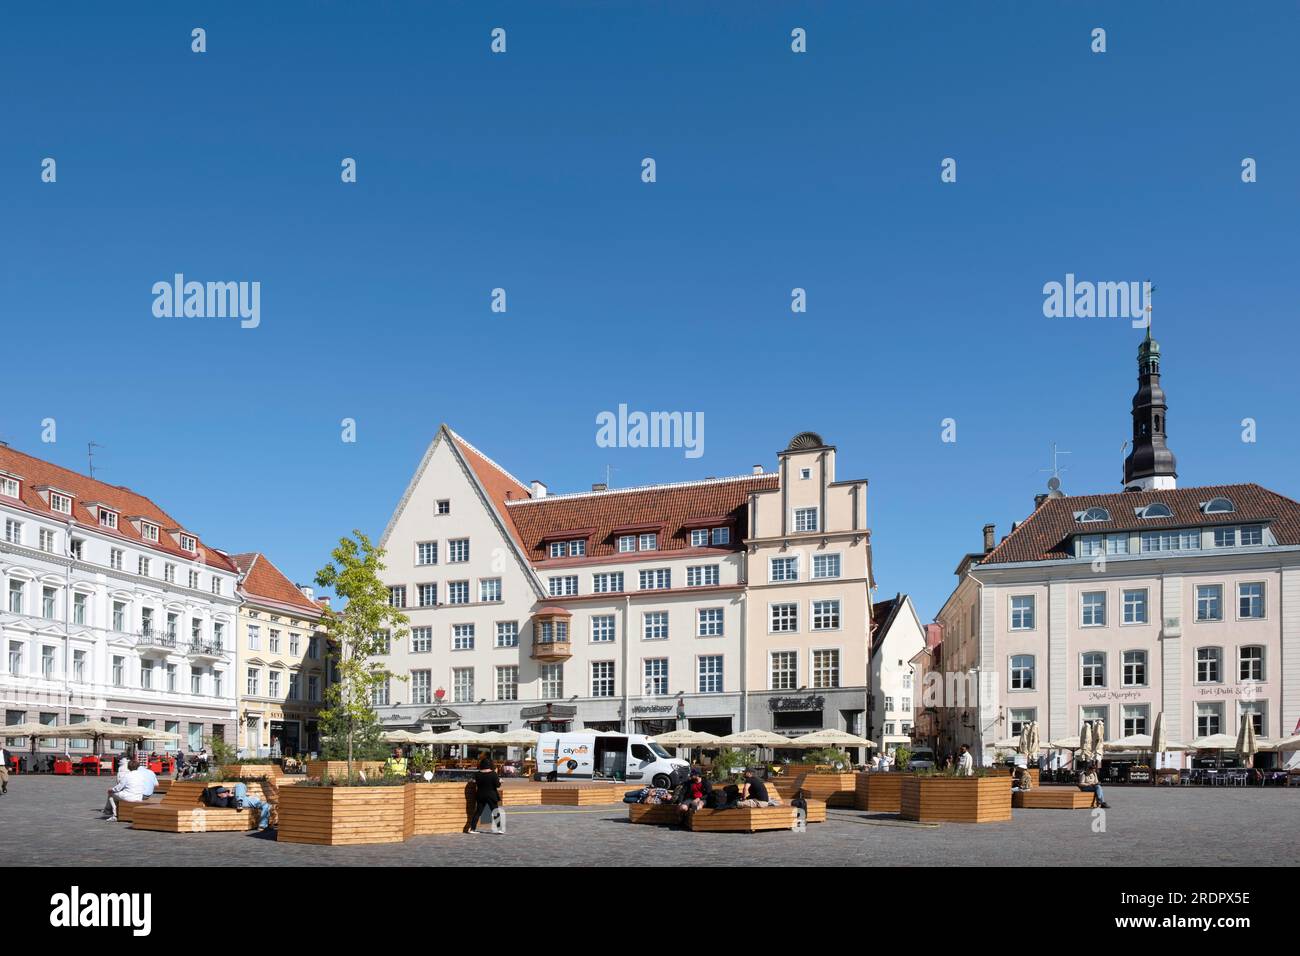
x=487, y=792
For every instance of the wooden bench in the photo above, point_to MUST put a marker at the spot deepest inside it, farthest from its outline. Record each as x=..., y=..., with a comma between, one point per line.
x=182, y=811
x=594, y=794
x=738, y=820
x=1052, y=798
x=835, y=789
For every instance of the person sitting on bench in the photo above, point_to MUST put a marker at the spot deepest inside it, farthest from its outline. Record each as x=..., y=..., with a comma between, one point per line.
x=695, y=792
x=1089, y=783
x=130, y=788
x=756, y=794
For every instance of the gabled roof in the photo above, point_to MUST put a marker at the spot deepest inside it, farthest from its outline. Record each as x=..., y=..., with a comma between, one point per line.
x=85, y=490
x=498, y=484
x=671, y=507
x=1046, y=533
x=262, y=579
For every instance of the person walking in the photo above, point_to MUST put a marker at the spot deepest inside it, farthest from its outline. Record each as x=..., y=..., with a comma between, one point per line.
x=965, y=763
x=4, y=770
x=487, y=793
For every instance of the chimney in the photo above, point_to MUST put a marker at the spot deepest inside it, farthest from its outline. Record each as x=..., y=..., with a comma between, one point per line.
x=307, y=592
x=599, y=486
x=539, y=489
x=1039, y=499
x=758, y=469
x=325, y=602
x=988, y=538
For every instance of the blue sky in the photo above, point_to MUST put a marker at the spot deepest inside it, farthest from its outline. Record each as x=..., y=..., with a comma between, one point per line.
x=522, y=171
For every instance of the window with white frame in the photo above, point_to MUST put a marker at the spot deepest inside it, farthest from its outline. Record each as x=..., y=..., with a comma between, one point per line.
x=1093, y=608
x=79, y=665
x=1252, y=535
x=107, y=519
x=458, y=592
x=626, y=542
x=552, y=631
x=784, y=569
x=458, y=550
x=826, y=668
x=216, y=584
x=15, y=596
x=253, y=683
x=115, y=556
x=783, y=670
x=826, y=566
x=193, y=580
x=648, y=542
x=1022, y=672
x=507, y=633
x=710, y=674
x=273, y=641
x=148, y=531
x=254, y=637
x=48, y=600
x=702, y=575
x=1250, y=663
x=462, y=685
x=421, y=640
x=783, y=618
x=552, y=681
x=656, y=676
x=13, y=531
x=1022, y=612
x=602, y=678
x=559, y=549
x=1209, y=602
x=805, y=519
x=709, y=622
x=1093, y=664
x=462, y=637
x=655, y=625
x=273, y=682
x=426, y=595
x=607, y=582
x=721, y=536
x=1134, y=718
x=45, y=540
x=426, y=552
x=656, y=579
x=1019, y=717
x=1171, y=541
x=1257, y=711
x=699, y=537
x=142, y=566
x=47, y=661
x=577, y=548
x=189, y=544
x=1209, y=719
x=443, y=507
x=602, y=628
x=8, y=487
x=383, y=643
x=294, y=643
x=489, y=589
x=1225, y=537
x=313, y=687
x=826, y=615
x=1209, y=665
x=76, y=548
x=119, y=671
x=1135, y=606
x=421, y=687
x=1134, y=669
x=397, y=596
x=563, y=585
x=1250, y=601
x=507, y=682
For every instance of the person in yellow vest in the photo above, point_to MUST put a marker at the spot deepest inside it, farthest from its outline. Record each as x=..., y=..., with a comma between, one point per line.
x=396, y=766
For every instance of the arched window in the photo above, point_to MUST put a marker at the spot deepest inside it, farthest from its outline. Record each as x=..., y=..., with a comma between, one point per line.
x=1219, y=505
x=1156, y=509
x=1095, y=514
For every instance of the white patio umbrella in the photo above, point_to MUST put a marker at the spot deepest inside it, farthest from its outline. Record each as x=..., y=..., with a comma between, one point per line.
x=456, y=737
x=1063, y=744
x=1084, y=750
x=686, y=738
x=1246, y=744
x=1098, y=739
x=522, y=737
x=1280, y=744
x=829, y=738
x=401, y=737
x=1219, y=742
x=754, y=738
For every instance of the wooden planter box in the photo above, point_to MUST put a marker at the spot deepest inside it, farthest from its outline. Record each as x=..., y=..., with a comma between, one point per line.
x=591, y=795
x=835, y=789
x=338, y=769
x=654, y=814
x=246, y=771
x=956, y=799
x=881, y=792
x=518, y=795
x=441, y=807
x=332, y=816
x=738, y=820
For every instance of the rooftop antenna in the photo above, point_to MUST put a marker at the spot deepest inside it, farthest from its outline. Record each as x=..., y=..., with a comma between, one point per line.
x=609, y=474
x=90, y=456
x=1055, y=481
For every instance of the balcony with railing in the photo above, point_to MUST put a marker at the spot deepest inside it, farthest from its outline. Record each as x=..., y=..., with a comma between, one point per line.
x=152, y=640
x=206, y=650
x=551, y=635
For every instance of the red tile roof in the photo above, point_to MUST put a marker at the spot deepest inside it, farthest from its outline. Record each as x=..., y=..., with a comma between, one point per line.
x=128, y=504
x=882, y=615
x=499, y=485
x=1045, y=534
x=671, y=506
x=262, y=579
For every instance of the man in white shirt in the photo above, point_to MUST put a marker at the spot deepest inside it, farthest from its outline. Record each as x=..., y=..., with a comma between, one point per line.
x=130, y=788
x=4, y=770
x=965, y=763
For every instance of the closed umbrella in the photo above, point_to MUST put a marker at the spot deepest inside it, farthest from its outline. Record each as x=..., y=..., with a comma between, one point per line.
x=1246, y=744
x=1158, y=740
x=1022, y=745
x=1035, y=740
x=1098, y=739
x=1084, y=750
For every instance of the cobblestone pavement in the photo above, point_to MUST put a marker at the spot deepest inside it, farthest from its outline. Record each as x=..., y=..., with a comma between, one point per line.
x=55, y=821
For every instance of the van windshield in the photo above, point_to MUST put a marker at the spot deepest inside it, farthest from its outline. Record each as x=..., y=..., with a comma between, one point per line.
x=658, y=751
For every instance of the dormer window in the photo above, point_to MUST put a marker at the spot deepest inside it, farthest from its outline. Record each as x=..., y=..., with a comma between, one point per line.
x=8, y=486
x=1094, y=514
x=188, y=543
x=107, y=519
x=148, y=531
x=1218, y=506
x=60, y=503
x=1156, y=509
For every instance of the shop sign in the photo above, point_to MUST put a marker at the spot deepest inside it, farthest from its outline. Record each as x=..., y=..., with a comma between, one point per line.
x=652, y=709
x=811, y=702
x=558, y=711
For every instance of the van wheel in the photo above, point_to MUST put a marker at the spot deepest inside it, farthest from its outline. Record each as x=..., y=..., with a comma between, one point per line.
x=662, y=781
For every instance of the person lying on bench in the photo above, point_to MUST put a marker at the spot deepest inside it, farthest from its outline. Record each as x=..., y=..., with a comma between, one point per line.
x=695, y=792
x=756, y=794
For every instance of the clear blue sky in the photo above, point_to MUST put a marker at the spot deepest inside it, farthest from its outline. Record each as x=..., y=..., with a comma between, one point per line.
x=523, y=171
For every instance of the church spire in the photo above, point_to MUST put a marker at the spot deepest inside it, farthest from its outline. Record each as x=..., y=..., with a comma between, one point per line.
x=1150, y=464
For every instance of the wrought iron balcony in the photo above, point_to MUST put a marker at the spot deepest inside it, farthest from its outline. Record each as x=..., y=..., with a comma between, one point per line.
x=152, y=640
x=207, y=649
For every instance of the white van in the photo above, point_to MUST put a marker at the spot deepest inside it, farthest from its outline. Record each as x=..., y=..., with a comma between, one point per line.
x=922, y=759
x=632, y=757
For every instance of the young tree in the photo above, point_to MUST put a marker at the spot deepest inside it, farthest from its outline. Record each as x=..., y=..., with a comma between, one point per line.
x=358, y=632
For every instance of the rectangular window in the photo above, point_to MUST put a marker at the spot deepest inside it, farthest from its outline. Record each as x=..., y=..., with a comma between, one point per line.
x=507, y=634
x=458, y=592
x=294, y=644
x=559, y=549
x=607, y=582
x=552, y=681
x=710, y=674
x=1251, y=664
x=703, y=575
x=655, y=625
x=783, y=670
x=79, y=604
x=216, y=584
x=295, y=686
x=602, y=628
x=458, y=550
x=274, y=682
x=826, y=566
x=462, y=637
x=1018, y=718
x=1094, y=669
x=45, y=540
x=444, y=507
x=107, y=519
x=826, y=615
x=564, y=585
x=426, y=552
x=805, y=519
x=721, y=536
x=273, y=641
x=397, y=596
x=1252, y=535
x=115, y=559
x=1093, y=607
x=379, y=692
x=1134, y=718
x=196, y=682
x=169, y=573
x=254, y=682
x=193, y=580
x=656, y=579
x=383, y=643
x=60, y=503
x=1022, y=612
x=47, y=603
x=15, y=658
x=784, y=569
x=1208, y=670
x=783, y=618
x=313, y=687
x=218, y=682
x=1022, y=672
x=189, y=544
x=1135, y=669
x=709, y=622
x=648, y=542
x=699, y=537
x=254, y=637
x=602, y=678
x=119, y=671
x=627, y=542
x=142, y=567
x=1135, y=606
x=507, y=682
x=421, y=688
x=1250, y=601
x=15, y=597
x=1225, y=537
x=1089, y=544
x=826, y=668
x=489, y=589
x=421, y=640
x=148, y=531
x=656, y=676
x=9, y=487
x=427, y=594
x=79, y=665
x=47, y=661
x=1171, y=541
x=13, y=531
x=1209, y=602
x=1209, y=719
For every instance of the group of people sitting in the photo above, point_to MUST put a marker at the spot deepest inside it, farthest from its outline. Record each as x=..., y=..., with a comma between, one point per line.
x=697, y=793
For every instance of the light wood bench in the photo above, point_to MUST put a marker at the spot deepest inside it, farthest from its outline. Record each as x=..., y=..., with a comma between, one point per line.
x=835, y=789
x=1052, y=798
x=594, y=794
x=738, y=820
x=182, y=810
